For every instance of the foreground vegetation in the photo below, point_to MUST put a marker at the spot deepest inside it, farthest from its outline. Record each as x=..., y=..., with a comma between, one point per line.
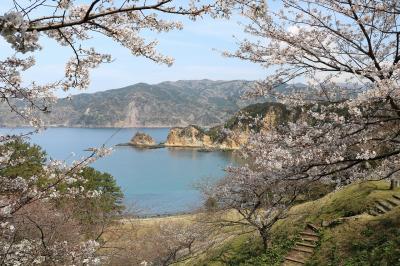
x=353, y=237
x=348, y=234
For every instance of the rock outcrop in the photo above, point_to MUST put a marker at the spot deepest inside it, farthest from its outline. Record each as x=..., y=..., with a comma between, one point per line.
x=196, y=137
x=232, y=135
x=235, y=133
x=142, y=139
x=190, y=136
x=234, y=140
x=262, y=118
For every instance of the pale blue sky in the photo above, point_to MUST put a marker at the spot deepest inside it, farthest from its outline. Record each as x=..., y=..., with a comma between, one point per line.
x=193, y=50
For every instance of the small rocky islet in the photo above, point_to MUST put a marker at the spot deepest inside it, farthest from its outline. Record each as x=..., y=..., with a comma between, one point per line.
x=142, y=139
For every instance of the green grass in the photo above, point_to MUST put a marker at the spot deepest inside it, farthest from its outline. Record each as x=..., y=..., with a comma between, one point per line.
x=349, y=201
x=359, y=240
x=364, y=241
x=245, y=250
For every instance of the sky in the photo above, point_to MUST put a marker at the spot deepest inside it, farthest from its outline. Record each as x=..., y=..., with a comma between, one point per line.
x=196, y=50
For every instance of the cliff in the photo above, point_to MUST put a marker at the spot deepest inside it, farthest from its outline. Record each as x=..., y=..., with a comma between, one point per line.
x=235, y=132
x=190, y=136
x=142, y=139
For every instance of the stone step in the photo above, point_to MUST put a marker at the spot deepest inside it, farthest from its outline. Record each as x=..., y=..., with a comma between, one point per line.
x=291, y=263
x=313, y=227
x=303, y=250
x=380, y=209
x=373, y=212
x=306, y=244
x=311, y=239
x=396, y=197
x=295, y=260
x=384, y=205
x=392, y=203
x=309, y=234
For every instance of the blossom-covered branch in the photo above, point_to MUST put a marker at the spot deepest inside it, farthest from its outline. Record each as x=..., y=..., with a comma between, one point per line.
x=347, y=53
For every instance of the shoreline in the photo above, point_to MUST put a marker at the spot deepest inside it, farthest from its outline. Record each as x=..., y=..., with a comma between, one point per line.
x=161, y=146
x=159, y=216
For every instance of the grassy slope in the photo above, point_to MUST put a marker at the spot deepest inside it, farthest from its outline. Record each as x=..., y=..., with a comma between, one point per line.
x=360, y=240
x=124, y=230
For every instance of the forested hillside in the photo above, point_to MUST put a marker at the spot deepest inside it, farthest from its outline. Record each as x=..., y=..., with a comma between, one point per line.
x=201, y=102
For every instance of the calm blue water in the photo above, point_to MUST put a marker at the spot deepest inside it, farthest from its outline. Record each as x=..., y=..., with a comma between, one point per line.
x=156, y=181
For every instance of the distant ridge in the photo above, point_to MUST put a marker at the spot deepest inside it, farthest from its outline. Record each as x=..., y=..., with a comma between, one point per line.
x=171, y=103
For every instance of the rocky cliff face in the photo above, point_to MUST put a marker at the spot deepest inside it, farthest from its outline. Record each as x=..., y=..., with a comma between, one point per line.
x=190, y=136
x=234, y=140
x=142, y=139
x=235, y=133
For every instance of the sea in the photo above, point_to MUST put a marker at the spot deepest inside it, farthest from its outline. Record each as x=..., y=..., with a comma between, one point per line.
x=154, y=181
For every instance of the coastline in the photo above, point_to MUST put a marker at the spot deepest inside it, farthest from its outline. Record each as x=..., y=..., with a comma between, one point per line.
x=139, y=217
x=161, y=146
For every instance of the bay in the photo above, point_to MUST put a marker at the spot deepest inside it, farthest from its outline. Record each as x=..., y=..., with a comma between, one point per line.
x=154, y=181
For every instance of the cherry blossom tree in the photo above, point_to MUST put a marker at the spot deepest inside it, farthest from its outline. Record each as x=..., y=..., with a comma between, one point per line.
x=258, y=201
x=164, y=242
x=33, y=230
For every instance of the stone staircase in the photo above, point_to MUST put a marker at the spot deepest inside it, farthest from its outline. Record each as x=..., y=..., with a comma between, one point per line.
x=385, y=205
x=304, y=248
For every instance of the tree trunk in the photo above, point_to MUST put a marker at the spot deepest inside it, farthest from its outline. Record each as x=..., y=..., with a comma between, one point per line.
x=264, y=238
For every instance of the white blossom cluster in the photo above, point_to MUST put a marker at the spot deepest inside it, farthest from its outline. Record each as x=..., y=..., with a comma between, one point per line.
x=28, y=252
x=14, y=29
x=348, y=53
x=18, y=194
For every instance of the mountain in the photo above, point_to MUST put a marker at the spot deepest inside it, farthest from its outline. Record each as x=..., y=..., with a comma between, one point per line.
x=181, y=103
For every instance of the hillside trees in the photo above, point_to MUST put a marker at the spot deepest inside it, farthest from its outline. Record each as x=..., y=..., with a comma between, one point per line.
x=48, y=216
x=160, y=241
x=259, y=201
